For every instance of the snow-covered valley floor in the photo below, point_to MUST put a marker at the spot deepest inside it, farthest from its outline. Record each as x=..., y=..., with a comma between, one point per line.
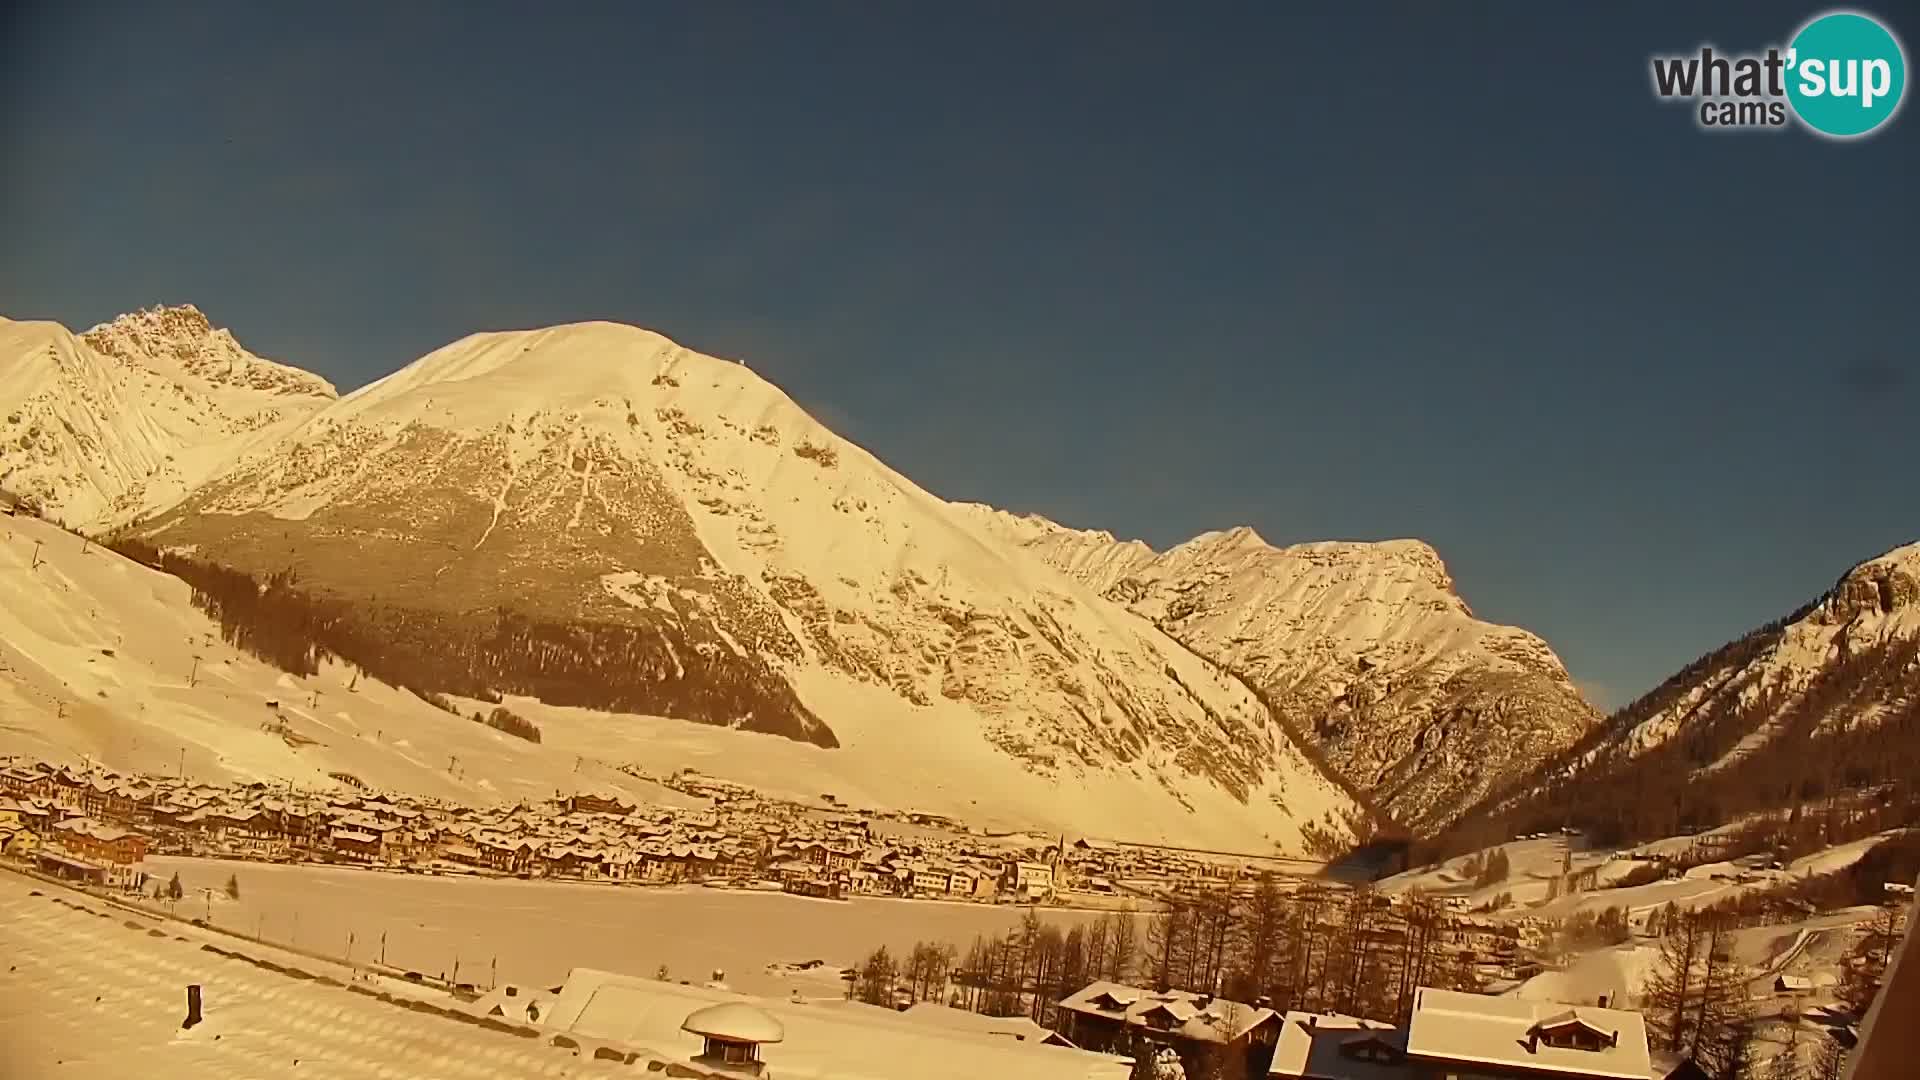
x=539, y=930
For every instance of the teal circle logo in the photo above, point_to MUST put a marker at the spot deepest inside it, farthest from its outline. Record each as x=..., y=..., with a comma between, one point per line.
x=1846, y=74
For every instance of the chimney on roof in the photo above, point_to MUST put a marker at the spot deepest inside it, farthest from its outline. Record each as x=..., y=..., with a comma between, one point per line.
x=1312, y=1021
x=1603, y=1001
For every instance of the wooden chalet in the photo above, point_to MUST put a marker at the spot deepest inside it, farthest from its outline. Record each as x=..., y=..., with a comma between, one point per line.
x=1211, y=1035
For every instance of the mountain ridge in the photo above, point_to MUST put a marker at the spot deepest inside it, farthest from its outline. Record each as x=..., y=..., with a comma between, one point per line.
x=1367, y=646
x=1821, y=701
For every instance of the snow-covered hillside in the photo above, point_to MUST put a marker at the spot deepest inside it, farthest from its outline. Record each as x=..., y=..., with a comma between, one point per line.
x=597, y=517
x=106, y=660
x=1366, y=647
x=101, y=427
x=1751, y=691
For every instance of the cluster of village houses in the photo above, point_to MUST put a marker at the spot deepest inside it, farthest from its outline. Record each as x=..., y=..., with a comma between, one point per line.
x=98, y=826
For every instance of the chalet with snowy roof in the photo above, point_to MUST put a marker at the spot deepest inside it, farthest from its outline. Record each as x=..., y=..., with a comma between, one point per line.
x=1498, y=1037
x=507, y=854
x=828, y=858
x=1329, y=1046
x=70, y=789
x=598, y=802
x=19, y=828
x=22, y=781
x=930, y=880
x=354, y=845
x=239, y=830
x=1204, y=1031
x=86, y=850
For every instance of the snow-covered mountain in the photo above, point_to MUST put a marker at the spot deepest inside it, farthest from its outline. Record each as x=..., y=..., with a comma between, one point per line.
x=596, y=517
x=1856, y=649
x=1820, y=705
x=100, y=427
x=1365, y=647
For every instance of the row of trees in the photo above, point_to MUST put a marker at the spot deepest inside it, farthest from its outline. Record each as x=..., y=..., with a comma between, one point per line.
x=1320, y=949
x=1022, y=973
x=504, y=719
x=1490, y=870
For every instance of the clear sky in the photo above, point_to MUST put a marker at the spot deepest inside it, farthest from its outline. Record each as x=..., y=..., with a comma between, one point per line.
x=1154, y=269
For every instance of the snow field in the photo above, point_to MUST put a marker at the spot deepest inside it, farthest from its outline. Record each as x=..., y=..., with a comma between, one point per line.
x=85, y=996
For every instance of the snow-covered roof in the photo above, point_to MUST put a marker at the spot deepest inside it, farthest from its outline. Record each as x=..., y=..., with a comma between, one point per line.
x=1194, y=1017
x=1452, y=1026
x=1014, y=1027
x=1323, y=1045
x=735, y=1021
x=91, y=828
x=819, y=1042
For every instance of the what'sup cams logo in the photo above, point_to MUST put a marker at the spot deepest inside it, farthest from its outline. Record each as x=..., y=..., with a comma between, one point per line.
x=1842, y=76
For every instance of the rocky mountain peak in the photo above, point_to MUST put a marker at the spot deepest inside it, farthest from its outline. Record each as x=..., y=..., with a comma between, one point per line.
x=1365, y=647
x=180, y=336
x=1878, y=587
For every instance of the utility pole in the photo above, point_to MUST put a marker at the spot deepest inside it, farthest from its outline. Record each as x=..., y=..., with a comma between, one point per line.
x=193, y=676
x=183, y=763
x=35, y=565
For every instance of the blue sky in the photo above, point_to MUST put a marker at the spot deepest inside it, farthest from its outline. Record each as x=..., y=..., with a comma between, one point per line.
x=1155, y=269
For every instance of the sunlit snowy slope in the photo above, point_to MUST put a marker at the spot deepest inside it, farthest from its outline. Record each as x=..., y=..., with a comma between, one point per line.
x=105, y=660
